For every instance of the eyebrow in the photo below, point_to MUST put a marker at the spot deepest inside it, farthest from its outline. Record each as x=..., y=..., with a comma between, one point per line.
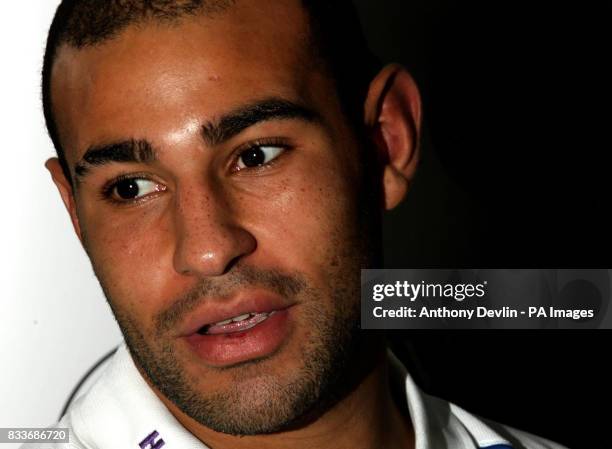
x=213, y=132
x=125, y=151
x=233, y=123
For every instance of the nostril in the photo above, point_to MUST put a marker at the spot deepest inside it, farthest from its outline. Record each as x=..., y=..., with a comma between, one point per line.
x=231, y=264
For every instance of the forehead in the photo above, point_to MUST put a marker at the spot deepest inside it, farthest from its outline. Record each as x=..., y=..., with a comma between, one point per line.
x=156, y=77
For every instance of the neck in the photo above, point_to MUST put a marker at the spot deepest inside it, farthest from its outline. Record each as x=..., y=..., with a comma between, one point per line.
x=366, y=418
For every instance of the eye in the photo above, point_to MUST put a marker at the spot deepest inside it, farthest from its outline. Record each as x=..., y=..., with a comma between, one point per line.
x=258, y=155
x=133, y=188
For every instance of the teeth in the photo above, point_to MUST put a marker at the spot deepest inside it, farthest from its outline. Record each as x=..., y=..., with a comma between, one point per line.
x=257, y=319
x=224, y=322
x=242, y=317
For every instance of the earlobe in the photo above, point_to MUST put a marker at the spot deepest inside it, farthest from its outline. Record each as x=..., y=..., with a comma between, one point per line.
x=393, y=113
x=66, y=191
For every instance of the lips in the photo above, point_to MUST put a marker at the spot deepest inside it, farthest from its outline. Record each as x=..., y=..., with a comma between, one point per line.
x=242, y=328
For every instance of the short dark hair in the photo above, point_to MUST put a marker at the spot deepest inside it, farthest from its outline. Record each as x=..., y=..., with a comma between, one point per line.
x=335, y=31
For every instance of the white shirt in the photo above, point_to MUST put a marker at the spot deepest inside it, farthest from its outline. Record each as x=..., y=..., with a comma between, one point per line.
x=120, y=411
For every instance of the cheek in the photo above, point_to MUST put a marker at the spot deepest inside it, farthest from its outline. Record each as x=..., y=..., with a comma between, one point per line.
x=127, y=258
x=311, y=221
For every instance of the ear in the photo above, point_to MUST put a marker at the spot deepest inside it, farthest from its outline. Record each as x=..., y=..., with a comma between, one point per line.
x=393, y=114
x=66, y=192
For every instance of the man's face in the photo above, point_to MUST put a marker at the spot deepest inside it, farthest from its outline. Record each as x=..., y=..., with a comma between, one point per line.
x=240, y=202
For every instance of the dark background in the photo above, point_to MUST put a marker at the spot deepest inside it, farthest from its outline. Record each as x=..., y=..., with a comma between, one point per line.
x=514, y=175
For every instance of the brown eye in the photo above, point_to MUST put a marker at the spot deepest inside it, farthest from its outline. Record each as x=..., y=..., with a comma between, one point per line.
x=258, y=155
x=127, y=190
x=130, y=189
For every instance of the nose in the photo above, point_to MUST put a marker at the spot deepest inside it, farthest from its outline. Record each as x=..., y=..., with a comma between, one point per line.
x=209, y=236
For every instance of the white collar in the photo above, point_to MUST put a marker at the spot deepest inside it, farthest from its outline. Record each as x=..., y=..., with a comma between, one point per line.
x=439, y=424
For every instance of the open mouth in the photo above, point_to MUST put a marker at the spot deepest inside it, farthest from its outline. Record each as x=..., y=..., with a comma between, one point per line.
x=249, y=328
x=238, y=323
